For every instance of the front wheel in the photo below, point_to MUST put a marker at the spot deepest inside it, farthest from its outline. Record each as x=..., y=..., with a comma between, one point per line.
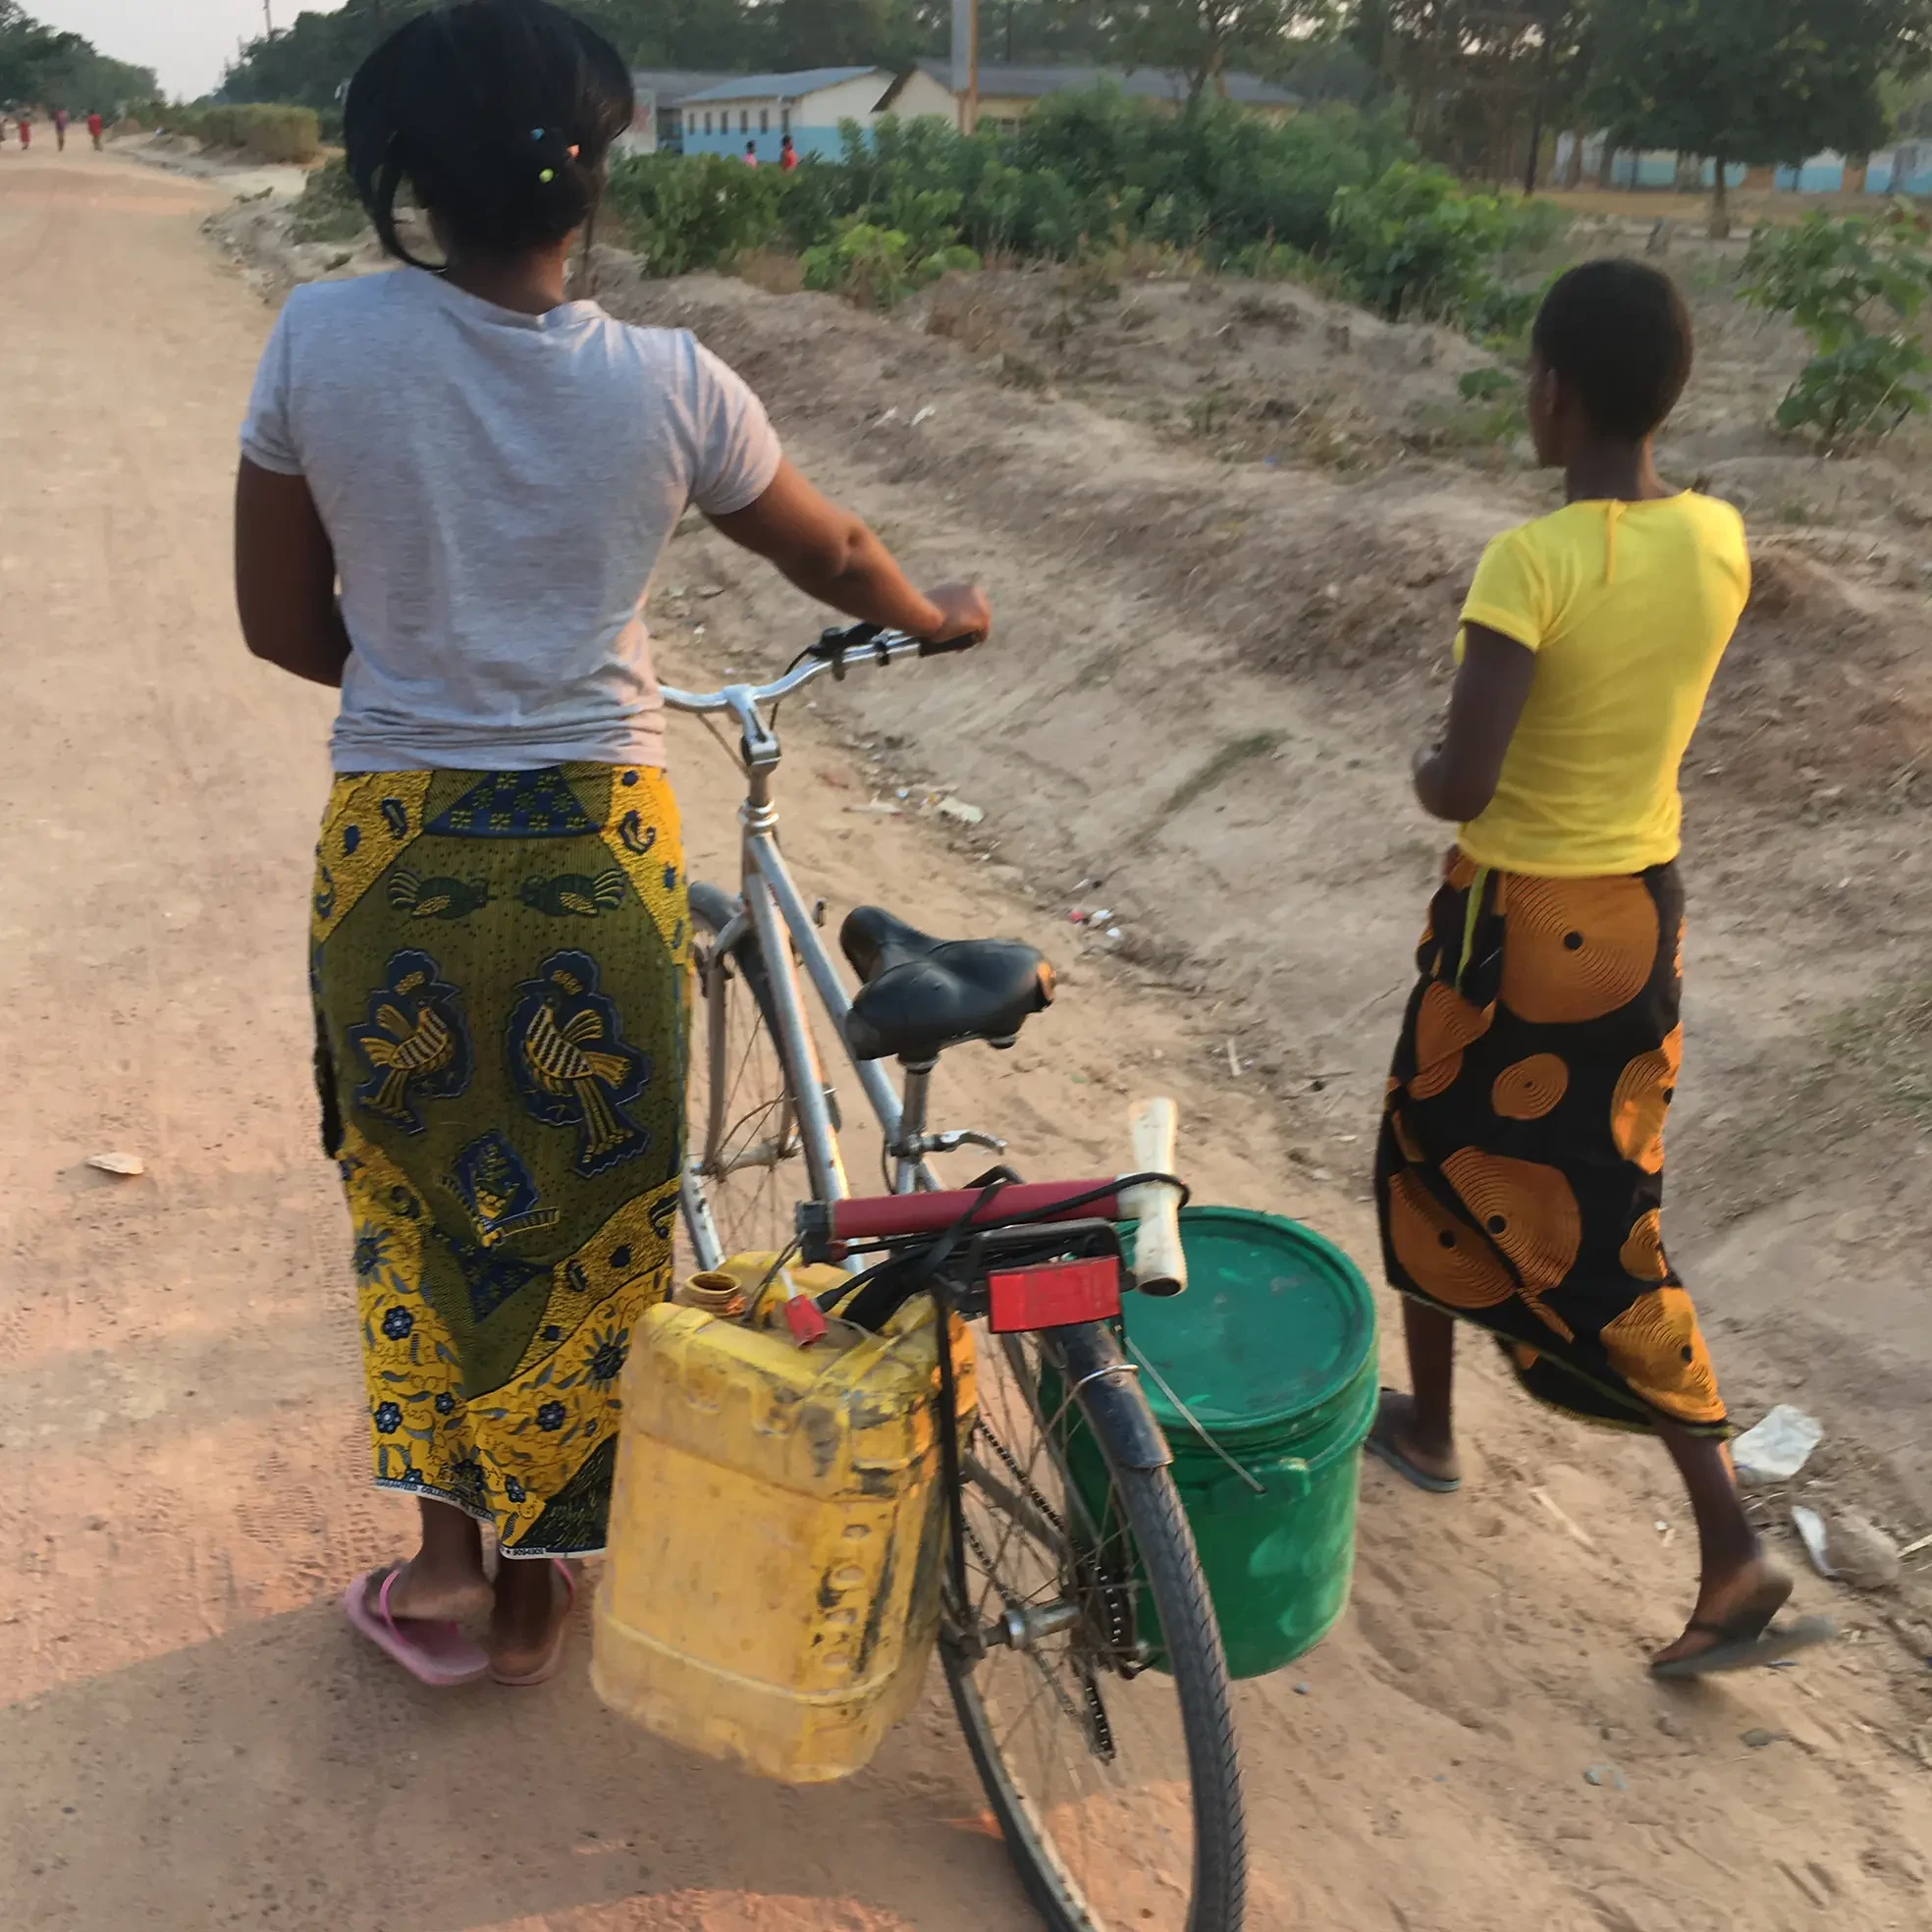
x=744, y=1159
x=1086, y=1667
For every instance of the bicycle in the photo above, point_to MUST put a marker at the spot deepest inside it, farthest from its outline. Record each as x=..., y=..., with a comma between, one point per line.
x=1077, y=1636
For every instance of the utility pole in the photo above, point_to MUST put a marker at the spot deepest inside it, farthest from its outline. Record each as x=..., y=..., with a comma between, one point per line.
x=268, y=18
x=966, y=62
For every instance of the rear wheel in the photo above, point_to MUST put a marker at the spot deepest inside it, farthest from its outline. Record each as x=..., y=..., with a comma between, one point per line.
x=1116, y=1782
x=744, y=1161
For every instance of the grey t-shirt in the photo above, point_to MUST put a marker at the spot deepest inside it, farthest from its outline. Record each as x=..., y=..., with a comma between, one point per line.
x=497, y=488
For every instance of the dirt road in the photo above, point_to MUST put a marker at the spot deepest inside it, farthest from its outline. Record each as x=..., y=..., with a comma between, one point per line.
x=192, y=1739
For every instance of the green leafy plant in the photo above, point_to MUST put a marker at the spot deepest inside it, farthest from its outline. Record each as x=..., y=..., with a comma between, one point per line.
x=1417, y=245
x=327, y=210
x=1867, y=388
x=1484, y=385
x=878, y=267
x=683, y=213
x=1855, y=288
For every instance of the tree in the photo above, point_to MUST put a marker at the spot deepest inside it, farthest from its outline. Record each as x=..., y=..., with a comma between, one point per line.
x=1476, y=73
x=841, y=32
x=27, y=50
x=307, y=65
x=1205, y=38
x=81, y=80
x=1757, y=82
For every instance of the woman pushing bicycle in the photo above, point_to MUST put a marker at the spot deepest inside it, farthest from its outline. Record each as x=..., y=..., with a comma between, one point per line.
x=454, y=487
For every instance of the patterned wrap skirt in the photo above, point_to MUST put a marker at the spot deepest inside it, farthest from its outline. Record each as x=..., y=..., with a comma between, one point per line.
x=1518, y=1175
x=498, y=962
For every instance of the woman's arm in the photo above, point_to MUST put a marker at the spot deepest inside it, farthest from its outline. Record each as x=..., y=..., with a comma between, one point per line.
x=1456, y=779
x=830, y=554
x=284, y=576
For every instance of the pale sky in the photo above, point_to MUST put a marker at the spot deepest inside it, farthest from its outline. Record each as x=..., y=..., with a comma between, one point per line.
x=188, y=43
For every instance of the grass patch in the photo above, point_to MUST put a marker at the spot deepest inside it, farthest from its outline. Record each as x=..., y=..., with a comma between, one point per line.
x=1885, y=1044
x=1231, y=757
x=327, y=210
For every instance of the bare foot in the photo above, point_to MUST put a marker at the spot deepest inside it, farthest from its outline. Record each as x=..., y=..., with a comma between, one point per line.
x=425, y=1590
x=1729, y=1609
x=1396, y=1440
x=533, y=1602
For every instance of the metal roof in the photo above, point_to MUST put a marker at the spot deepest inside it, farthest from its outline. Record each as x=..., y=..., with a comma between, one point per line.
x=1144, y=83
x=787, y=87
x=673, y=85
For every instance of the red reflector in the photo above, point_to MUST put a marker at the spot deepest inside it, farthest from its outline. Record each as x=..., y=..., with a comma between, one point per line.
x=1054, y=1295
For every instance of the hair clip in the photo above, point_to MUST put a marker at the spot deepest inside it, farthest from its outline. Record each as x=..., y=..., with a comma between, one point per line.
x=536, y=134
x=572, y=151
x=548, y=176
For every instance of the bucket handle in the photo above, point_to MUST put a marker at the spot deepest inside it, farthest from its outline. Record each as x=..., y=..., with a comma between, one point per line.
x=1290, y=1475
x=1253, y=1481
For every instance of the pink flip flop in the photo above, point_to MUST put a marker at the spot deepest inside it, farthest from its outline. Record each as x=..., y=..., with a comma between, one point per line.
x=552, y=1663
x=433, y=1652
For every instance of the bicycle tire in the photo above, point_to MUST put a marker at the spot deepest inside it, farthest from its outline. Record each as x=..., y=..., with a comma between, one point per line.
x=1193, y=1654
x=760, y=1217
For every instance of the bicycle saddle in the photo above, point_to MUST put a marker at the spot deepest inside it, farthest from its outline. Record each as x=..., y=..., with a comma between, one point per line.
x=923, y=994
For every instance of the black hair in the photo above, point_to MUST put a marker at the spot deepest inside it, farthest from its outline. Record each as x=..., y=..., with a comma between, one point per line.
x=500, y=114
x=1618, y=334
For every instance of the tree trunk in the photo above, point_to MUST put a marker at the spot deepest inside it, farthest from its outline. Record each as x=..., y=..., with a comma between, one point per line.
x=1720, y=200
x=1540, y=113
x=1606, y=164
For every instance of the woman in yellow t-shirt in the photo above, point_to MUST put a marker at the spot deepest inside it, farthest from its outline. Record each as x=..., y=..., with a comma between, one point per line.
x=1520, y=1169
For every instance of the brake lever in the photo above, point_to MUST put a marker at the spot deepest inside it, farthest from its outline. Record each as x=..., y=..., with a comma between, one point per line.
x=833, y=645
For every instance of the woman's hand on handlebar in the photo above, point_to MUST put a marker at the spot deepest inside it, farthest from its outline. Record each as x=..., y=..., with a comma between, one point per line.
x=965, y=616
x=830, y=554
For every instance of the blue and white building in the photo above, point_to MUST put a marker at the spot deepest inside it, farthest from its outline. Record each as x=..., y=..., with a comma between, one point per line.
x=1903, y=169
x=761, y=109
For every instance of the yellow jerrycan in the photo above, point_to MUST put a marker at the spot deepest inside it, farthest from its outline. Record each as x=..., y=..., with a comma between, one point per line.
x=770, y=1587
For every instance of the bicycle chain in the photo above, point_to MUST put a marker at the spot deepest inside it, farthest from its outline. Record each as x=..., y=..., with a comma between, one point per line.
x=1096, y=1724
x=1020, y=1477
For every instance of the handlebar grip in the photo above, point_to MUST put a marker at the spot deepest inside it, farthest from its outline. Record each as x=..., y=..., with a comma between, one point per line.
x=828, y=1231
x=1160, y=1265
x=928, y=648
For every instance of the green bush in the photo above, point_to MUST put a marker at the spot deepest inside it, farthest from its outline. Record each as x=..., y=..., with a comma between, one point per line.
x=1417, y=246
x=1866, y=388
x=1326, y=197
x=878, y=267
x=683, y=213
x=1855, y=288
x=262, y=132
x=328, y=209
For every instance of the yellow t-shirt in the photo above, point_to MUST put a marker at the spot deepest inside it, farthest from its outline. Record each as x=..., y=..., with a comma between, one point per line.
x=1628, y=607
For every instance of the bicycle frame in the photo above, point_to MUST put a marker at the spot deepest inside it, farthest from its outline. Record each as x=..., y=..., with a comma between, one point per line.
x=774, y=912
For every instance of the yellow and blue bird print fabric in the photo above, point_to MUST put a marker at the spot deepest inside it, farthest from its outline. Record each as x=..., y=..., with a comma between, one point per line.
x=498, y=960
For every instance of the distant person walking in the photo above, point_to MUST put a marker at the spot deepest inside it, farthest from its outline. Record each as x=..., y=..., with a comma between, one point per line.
x=787, y=155
x=751, y=154
x=1520, y=1172
x=60, y=128
x=25, y=130
x=95, y=130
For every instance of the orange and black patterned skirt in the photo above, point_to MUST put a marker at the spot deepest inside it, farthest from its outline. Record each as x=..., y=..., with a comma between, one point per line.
x=1520, y=1172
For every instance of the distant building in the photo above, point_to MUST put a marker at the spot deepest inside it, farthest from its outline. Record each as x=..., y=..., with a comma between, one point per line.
x=656, y=121
x=763, y=108
x=718, y=114
x=1008, y=95
x=1906, y=169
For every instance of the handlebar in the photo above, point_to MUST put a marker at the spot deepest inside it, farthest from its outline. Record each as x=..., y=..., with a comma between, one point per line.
x=833, y=652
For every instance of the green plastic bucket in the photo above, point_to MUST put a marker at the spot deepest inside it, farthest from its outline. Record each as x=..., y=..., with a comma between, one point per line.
x=1272, y=1350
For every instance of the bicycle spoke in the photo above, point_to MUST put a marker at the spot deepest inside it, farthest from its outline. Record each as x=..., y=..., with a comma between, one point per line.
x=1089, y=1745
